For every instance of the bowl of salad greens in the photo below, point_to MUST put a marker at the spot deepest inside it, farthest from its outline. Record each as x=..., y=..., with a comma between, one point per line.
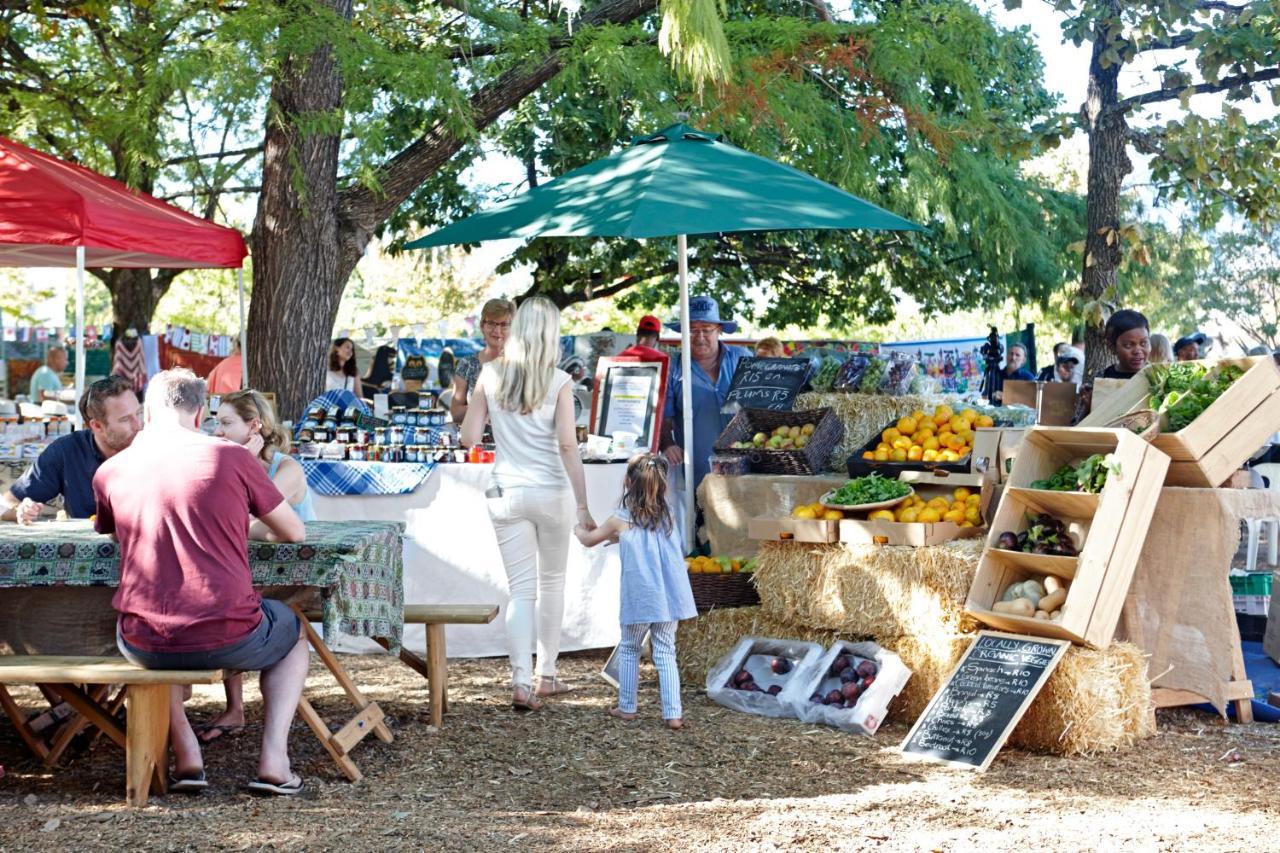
x=867, y=493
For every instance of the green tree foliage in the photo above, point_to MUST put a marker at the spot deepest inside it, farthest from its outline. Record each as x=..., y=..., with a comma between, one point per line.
x=1219, y=164
x=912, y=107
x=1244, y=283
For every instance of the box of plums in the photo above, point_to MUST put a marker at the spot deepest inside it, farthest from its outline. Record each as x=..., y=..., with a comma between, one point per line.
x=756, y=671
x=849, y=687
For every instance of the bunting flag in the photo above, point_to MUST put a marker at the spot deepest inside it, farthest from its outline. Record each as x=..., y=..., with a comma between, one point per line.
x=42, y=335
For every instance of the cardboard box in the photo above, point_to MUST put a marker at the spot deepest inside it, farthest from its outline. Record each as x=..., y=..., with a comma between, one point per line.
x=1053, y=402
x=1107, y=528
x=1208, y=450
x=791, y=530
x=869, y=712
x=862, y=531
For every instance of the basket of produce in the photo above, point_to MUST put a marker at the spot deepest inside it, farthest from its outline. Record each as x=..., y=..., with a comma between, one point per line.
x=782, y=442
x=722, y=582
x=937, y=441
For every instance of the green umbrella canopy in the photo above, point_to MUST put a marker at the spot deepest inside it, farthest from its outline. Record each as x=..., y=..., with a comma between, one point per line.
x=679, y=180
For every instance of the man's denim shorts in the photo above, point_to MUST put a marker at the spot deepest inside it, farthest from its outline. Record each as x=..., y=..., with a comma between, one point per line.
x=274, y=637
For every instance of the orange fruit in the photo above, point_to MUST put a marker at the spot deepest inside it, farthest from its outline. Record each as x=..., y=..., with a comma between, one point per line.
x=961, y=493
x=955, y=516
x=927, y=423
x=882, y=456
x=901, y=443
x=881, y=515
x=906, y=426
x=931, y=443
x=868, y=454
x=929, y=515
x=889, y=435
x=930, y=455
x=909, y=515
x=984, y=421
x=832, y=515
x=915, y=454
x=943, y=413
x=886, y=447
x=898, y=455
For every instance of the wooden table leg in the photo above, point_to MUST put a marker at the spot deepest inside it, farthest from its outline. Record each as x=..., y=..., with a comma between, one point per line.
x=147, y=747
x=91, y=710
x=1244, y=707
x=19, y=720
x=322, y=733
x=437, y=673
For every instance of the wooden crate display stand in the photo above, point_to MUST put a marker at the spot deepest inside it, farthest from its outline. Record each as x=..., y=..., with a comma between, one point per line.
x=1109, y=528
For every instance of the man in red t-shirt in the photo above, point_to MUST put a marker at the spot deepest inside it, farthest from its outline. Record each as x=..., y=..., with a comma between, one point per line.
x=646, y=346
x=180, y=503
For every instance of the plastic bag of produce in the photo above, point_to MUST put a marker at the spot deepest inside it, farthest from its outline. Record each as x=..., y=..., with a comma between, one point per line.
x=824, y=378
x=849, y=376
x=849, y=687
x=752, y=676
x=899, y=372
x=873, y=377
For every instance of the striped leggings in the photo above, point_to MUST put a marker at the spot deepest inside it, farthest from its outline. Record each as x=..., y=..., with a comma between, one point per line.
x=662, y=635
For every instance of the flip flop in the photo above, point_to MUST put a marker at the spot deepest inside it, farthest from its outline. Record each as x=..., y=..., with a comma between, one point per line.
x=188, y=784
x=210, y=732
x=276, y=789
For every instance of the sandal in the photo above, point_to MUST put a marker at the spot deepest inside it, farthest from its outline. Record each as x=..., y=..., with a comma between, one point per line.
x=190, y=784
x=212, y=731
x=619, y=714
x=553, y=687
x=276, y=789
x=523, y=699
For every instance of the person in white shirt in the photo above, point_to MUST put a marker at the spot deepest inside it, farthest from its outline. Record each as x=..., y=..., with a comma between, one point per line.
x=342, y=375
x=537, y=472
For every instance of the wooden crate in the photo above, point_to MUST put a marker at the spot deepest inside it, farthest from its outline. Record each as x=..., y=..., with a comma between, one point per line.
x=791, y=530
x=1208, y=450
x=1108, y=529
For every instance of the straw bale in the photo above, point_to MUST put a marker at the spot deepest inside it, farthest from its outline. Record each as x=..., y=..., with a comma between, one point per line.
x=1097, y=700
x=868, y=590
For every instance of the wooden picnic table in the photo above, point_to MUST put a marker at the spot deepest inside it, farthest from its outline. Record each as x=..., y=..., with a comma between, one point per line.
x=57, y=579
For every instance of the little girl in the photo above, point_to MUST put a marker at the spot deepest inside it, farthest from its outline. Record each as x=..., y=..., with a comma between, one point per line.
x=655, y=582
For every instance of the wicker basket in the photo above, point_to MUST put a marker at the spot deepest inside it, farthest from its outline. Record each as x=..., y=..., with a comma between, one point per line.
x=810, y=459
x=1145, y=422
x=723, y=590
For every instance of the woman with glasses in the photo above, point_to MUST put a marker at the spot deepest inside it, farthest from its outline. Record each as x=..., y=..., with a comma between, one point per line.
x=495, y=325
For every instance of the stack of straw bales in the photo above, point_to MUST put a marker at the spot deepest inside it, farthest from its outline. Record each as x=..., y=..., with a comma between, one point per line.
x=911, y=601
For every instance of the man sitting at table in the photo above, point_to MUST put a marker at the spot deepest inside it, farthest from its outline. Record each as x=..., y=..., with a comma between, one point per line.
x=66, y=467
x=179, y=502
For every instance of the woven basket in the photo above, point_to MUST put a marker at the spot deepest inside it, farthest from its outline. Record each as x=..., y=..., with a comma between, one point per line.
x=810, y=459
x=723, y=590
x=1145, y=422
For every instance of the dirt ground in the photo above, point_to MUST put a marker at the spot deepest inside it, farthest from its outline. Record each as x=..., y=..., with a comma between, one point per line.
x=571, y=778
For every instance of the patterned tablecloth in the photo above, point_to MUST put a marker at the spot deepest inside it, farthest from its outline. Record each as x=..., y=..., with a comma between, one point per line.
x=359, y=566
x=333, y=477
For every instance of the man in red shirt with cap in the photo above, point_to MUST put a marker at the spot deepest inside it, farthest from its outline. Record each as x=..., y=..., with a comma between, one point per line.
x=646, y=346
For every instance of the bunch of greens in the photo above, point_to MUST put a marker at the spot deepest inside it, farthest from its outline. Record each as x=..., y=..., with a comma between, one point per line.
x=871, y=489
x=1185, y=389
x=1089, y=476
x=825, y=377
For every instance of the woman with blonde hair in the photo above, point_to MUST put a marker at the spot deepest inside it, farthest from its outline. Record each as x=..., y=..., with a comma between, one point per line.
x=1161, y=350
x=533, y=494
x=495, y=325
x=248, y=419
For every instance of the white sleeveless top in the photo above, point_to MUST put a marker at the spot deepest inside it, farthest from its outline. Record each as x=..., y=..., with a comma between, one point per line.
x=527, y=453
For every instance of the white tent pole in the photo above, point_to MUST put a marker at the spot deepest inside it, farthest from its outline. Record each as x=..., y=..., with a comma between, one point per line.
x=686, y=390
x=244, y=352
x=80, y=326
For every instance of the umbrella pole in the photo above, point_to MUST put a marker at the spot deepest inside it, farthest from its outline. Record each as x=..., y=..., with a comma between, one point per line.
x=244, y=353
x=686, y=391
x=80, y=326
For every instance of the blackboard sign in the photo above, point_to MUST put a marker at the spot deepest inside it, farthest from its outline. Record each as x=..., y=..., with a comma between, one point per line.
x=766, y=383
x=970, y=718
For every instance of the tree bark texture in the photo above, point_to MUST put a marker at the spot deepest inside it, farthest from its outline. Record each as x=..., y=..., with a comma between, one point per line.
x=307, y=237
x=295, y=238
x=1108, y=165
x=135, y=293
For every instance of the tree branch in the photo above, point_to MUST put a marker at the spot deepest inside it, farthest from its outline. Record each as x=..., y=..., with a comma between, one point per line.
x=1212, y=6
x=1176, y=92
x=1180, y=40
x=213, y=155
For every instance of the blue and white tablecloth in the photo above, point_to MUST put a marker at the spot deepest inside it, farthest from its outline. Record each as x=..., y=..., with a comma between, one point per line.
x=332, y=477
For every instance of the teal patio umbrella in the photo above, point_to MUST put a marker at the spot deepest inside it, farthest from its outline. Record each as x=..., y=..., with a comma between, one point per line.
x=673, y=183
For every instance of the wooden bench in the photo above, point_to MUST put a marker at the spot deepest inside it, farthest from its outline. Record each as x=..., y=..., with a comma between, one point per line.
x=145, y=737
x=435, y=667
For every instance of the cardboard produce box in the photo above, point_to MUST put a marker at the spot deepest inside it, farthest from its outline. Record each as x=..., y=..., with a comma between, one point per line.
x=1207, y=451
x=792, y=530
x=917, y=534
x=1108, y=529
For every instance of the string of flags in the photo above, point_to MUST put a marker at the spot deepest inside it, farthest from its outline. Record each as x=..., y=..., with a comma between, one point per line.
x=201, y=343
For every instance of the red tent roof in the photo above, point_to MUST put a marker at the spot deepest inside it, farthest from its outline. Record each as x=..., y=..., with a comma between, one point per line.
x=48, y=207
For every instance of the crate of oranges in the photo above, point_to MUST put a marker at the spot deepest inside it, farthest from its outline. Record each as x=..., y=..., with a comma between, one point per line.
x=931, y=516
x=922, y=441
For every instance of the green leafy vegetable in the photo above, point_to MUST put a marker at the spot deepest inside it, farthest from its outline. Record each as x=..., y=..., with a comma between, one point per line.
x=869, y=490
x=1185, y=389
x=1089, y=476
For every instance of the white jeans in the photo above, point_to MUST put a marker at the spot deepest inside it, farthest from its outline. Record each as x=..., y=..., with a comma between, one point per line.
x=534, y=526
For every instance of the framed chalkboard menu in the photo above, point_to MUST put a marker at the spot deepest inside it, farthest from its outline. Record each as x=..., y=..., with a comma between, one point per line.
x=627, y=397
x=766, y=383
x=970, y=718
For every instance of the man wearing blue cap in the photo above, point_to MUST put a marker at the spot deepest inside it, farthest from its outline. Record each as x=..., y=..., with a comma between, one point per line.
x=713, y=365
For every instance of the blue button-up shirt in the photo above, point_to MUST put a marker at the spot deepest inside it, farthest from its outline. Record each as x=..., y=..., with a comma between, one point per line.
x=66, y=467
x=708, y=396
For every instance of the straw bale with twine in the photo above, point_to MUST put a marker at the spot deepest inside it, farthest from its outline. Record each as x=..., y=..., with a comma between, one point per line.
x=863, y=416
x=868, y=590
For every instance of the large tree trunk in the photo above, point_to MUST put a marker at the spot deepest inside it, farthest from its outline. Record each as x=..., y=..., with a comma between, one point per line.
x=295, y=234
x=135, y=293
x=1108, y=165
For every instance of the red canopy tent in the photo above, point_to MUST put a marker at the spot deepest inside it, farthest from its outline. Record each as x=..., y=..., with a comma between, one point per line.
x=57, y=214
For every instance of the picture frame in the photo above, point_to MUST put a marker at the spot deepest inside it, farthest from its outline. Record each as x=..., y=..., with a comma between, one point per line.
x=628, y=396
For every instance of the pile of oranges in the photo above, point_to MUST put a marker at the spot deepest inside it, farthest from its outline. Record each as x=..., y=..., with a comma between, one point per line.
x=818, y=511
x=963, y=510
x=943, y=436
